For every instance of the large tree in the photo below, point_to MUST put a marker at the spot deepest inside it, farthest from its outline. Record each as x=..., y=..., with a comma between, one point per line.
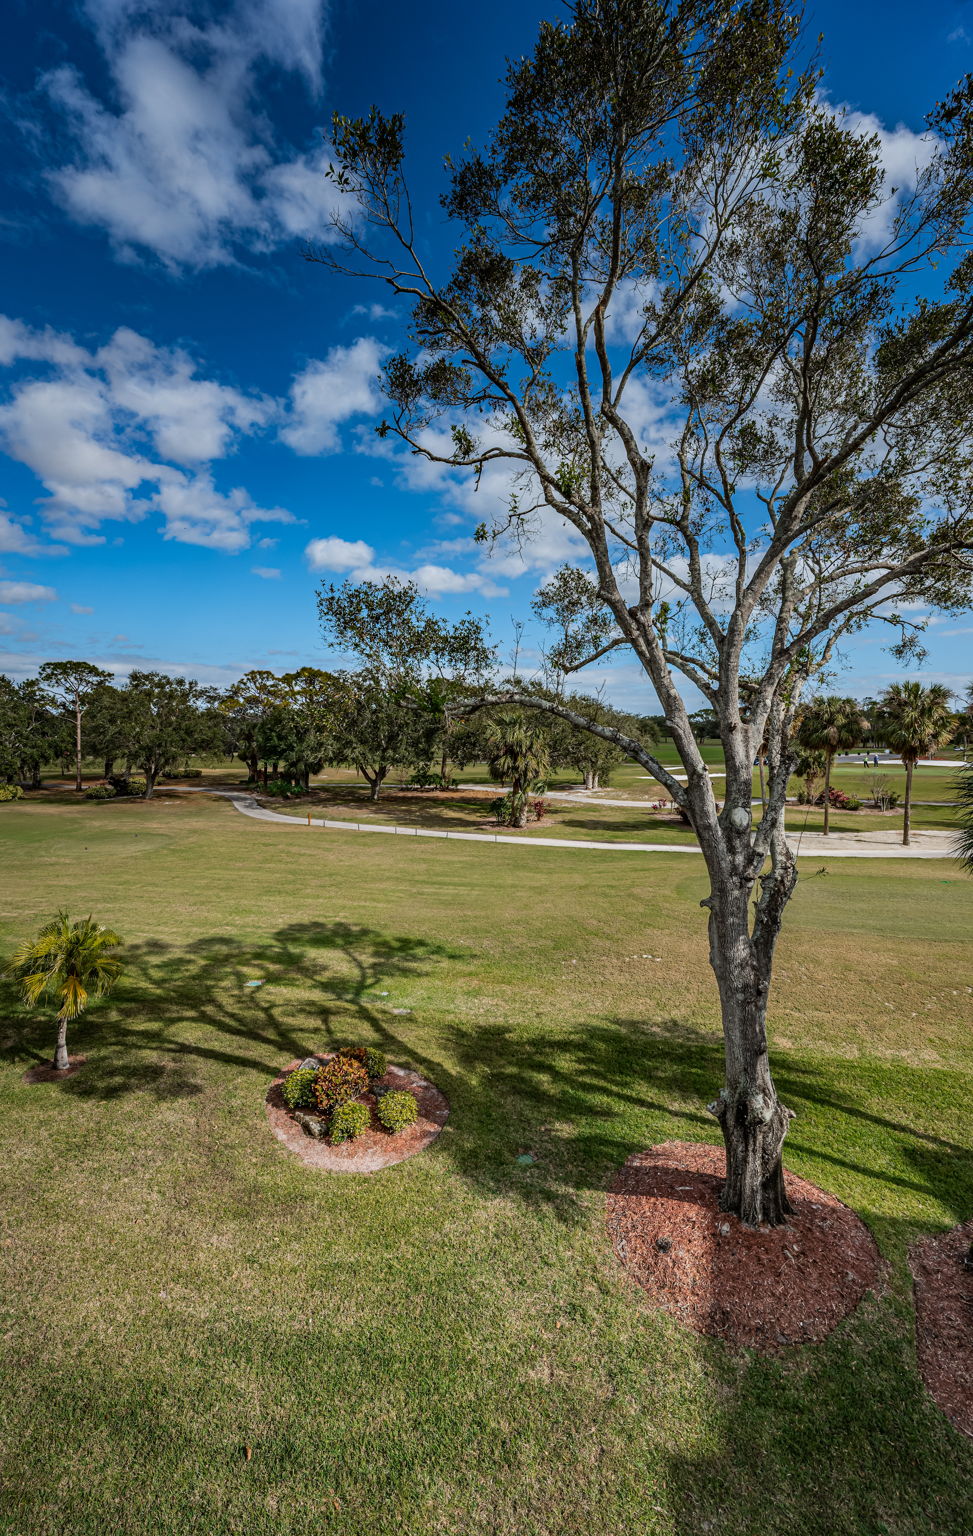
x=72, y=684
x=695, y=323
x=167, y=719
x=913, y=721
x=414, y=653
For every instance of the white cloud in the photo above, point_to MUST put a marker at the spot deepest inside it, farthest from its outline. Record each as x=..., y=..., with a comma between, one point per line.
x=333, y=554
x=330, y=391
x=15, y=540
x=26, y=592
x=268, y=572
x=182, y=162
x=357, y=560
x=118, y=433
x=80, y=608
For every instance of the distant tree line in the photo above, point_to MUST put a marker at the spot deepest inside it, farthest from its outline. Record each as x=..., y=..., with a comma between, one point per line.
x=394, y=709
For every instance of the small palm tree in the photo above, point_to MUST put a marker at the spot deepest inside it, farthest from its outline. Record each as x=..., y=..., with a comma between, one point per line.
x=914, y=721
x=830, y=725
x=518, y=751
x=66, y=962
x=964, y=797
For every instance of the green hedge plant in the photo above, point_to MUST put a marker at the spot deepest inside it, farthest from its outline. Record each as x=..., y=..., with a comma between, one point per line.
x=298, y=1088
x=349, y=1120
x=396, y=1110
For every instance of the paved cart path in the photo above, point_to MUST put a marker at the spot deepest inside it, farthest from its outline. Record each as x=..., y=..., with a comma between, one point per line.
x=840, y=845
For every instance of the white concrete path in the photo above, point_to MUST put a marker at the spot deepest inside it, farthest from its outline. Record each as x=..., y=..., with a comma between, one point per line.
x=840, y=845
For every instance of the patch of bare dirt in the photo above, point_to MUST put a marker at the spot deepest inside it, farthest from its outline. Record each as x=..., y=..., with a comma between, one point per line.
x=49, y=1074
x=377, y=1148
x=944, y=1321
x=761, y=1288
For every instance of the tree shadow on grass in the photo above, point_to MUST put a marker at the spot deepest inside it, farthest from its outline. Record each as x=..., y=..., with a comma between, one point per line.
x=179, y=1005
x=571, y=1102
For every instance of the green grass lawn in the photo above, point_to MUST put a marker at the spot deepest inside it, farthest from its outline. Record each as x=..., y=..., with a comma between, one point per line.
x=450, y=1346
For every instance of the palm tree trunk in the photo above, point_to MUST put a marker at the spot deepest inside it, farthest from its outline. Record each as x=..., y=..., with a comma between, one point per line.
x=827, y=793
x=77, y=744
x=61, y=1061
x=907, y=808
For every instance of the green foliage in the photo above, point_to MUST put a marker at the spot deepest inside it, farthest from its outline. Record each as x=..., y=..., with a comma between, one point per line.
x=100, y=792
x=136, y=786
x=284, y=789
x=338, y=1080
x=397, y=1109
x=298, y=1088
x=349, y=1120
x=10, y=792
x=374, y=1062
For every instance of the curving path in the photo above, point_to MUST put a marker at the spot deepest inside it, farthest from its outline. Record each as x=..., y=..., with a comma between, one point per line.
x=840, y=845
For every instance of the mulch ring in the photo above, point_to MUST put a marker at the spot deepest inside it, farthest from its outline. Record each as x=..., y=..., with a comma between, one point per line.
x=760, y=1288
x=944, y=1321
x=377, y=1147
x=49, y=1074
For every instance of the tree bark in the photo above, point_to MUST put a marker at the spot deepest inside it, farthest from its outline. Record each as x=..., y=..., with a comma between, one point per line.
x=752, y=1119
x=108, y=766
x=827, y=792
x=907, y=808
x=150, y=778
x=61, y=1061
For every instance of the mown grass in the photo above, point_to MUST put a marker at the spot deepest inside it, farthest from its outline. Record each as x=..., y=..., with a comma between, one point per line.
x=450, y=1345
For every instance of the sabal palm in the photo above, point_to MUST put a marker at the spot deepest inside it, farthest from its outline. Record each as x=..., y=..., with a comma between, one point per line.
x=830, y=724
x=914, y=721
x=518, y=751
x=67, y=963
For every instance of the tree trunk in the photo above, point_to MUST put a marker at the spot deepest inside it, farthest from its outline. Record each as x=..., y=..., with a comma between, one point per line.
x=77, y=744
x=306, y=781
x=253, y=769
x=827, y=793
x=108, y=766
x=907, y=808
x=596, y=781
x=150, y=778
x=35, y=779
x=376, y=783
x=753, y=1121
x=589, y=779
x=61, y=1061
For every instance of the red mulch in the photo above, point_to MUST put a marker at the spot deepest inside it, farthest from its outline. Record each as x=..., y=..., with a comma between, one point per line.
x=761, y=1288
x=377, y=1148
x=944, y=1321
x=47, y=1074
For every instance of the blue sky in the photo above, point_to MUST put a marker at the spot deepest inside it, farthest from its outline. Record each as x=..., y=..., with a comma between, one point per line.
x=186, y=406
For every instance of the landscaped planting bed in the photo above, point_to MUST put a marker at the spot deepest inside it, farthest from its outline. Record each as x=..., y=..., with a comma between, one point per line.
x=349, y=1111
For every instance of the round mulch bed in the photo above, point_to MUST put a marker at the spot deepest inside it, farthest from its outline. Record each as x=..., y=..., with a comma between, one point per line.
x=763, y=1288
x=944, y=1321
x=377, y=1148
x=49, y=1074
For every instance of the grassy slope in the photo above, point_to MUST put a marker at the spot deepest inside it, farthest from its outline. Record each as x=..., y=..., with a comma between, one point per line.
x=449, y=1346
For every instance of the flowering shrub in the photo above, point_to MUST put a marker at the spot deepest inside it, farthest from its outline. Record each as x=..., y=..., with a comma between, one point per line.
x=396, y=1110
x=339, y=1080
x=100, y=792
x=348, y=1121
x=10, y=792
